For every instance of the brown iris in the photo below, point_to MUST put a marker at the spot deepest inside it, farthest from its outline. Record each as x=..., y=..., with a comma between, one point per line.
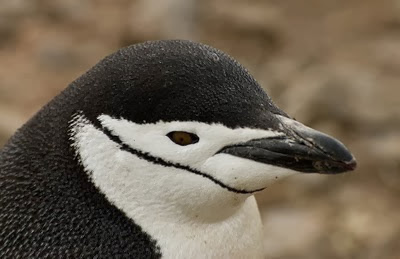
x=183, y=138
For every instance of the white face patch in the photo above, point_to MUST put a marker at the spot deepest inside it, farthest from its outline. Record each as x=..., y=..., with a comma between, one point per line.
x=179, y=208
x=235, y=172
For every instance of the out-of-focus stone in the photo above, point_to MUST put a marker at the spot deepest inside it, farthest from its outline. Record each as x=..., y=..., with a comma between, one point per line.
x=57, y=54
x=11, y=14
x=151, y=19
x=72, y=11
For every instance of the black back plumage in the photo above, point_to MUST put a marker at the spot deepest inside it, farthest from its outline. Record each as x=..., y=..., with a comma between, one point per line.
x=49, y=207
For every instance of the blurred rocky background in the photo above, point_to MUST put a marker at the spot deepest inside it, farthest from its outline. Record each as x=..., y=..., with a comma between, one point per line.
x=333, y=65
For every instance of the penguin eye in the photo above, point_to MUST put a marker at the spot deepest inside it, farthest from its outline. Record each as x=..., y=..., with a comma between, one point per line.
x=183, y=138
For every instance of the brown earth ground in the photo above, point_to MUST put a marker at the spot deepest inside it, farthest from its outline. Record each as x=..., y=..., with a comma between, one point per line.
x=333, y=65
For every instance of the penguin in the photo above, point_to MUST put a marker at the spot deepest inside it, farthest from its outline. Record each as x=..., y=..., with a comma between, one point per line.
x=155, y=152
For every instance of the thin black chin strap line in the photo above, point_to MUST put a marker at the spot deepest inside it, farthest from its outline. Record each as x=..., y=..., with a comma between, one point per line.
x=160, y=161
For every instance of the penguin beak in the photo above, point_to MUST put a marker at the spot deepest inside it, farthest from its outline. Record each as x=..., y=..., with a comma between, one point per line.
x=301, y=149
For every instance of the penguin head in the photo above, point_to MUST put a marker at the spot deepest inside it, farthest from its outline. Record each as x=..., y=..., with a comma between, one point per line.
x=185, y=122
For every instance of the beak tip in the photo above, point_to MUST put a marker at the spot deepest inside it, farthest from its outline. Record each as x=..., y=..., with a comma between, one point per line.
x=352, y=164
x=337, y=167
x=341, y=159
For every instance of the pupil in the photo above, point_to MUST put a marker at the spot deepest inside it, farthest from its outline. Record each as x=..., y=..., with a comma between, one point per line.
x=183, y=138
